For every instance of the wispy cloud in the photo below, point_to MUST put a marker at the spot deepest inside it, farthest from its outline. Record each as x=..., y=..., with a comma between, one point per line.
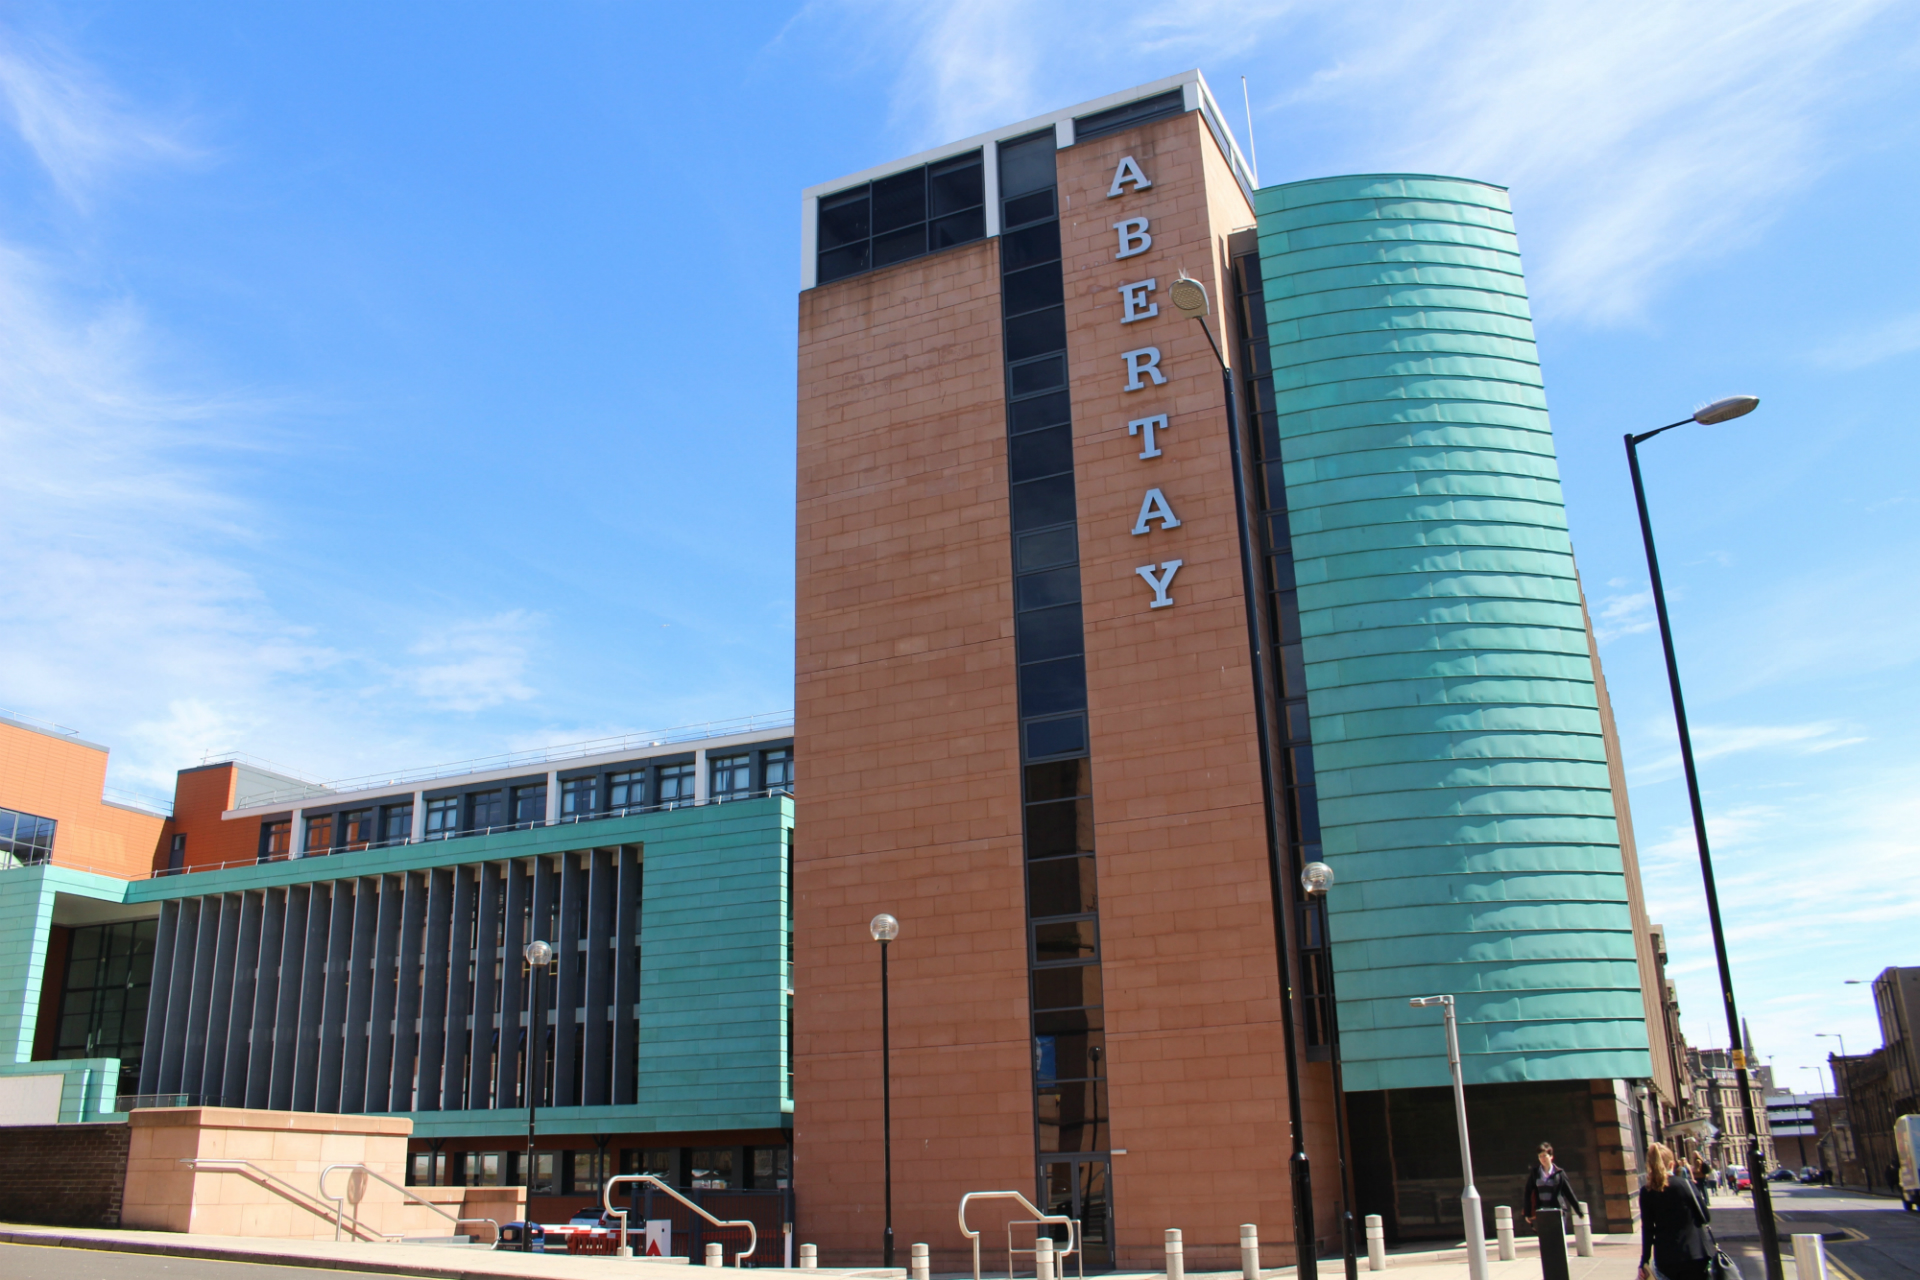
x=1714, y=742
x=76, y=125
x=1896, y=337
x=1638, y=136
x=1624, y=615
x=470, y=666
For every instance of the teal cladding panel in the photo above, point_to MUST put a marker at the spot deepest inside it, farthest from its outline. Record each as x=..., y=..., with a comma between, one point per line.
x=1462, y=784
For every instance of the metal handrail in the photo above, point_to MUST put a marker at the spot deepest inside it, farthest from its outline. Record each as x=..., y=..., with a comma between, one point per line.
x=1072, y=1225
x=341, y=1200
x=606, y=1203
x=196, y=1163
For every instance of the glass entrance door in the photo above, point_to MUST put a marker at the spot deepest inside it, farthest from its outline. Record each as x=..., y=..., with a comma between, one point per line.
x=1077, y=1187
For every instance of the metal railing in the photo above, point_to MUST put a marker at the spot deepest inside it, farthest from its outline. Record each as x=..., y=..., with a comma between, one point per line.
x=340, y=1203
x=1072, y=1225
x=606, y=1204
x=623, y=811
x=305, y=1200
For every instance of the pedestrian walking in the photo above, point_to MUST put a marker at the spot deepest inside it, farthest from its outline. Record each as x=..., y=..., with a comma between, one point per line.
x=1549, y=1198
x=1673, y=1245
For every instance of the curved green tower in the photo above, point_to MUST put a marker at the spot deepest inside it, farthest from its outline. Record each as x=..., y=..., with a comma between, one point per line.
x=1463, y=790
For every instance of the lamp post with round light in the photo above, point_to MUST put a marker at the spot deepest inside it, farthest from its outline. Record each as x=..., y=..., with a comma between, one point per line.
x=885, y=929
x=1722, y=410
x=1189, y=298
x=1316, y=878
x=538, y=956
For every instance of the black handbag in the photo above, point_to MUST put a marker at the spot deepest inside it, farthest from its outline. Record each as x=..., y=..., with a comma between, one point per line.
x=1721, y=1266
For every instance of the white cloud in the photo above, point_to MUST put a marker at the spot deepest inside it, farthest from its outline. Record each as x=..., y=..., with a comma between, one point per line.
x=1712, y=742
x=75, y=124
x=473, y=665
x=1896, y=337
x=1624, y=615
x=1637, y=136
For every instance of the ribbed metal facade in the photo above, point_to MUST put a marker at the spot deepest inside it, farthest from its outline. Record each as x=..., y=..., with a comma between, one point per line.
x=1463, y=791
x=401, y=992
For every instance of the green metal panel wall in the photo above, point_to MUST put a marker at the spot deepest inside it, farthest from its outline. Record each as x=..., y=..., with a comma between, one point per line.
x=1463, y=792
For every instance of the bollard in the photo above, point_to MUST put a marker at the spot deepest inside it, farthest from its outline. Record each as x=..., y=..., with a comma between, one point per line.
x=1176, y=1255
x=809, y=1257
x=922, y=1268
x=1249, y=1251
x=1042, y=1259
x=1810, y=1257
x=1583, y=1232
x=716, y=1254
x=1376, y=1243
x=1503, y=1227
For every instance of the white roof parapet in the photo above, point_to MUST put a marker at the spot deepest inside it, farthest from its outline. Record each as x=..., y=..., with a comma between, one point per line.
x=631, y=746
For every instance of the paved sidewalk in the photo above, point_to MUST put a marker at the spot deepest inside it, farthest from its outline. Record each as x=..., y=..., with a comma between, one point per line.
x=427, y=1260
x=1615, y=1258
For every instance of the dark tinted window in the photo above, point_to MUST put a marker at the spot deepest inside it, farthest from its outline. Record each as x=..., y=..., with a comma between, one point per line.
x=1066, y=988
x=1060, y=828
x=1062, y=887
x=1114, y=119
x=1049, y=633
x=1040, y=411
x=1038, y=375
x=901, y=216
x=1031, y=289
x=1056, y=737
x=1029, y=209
x=1041, y=453
x=1036, y=333
x=1030, y=247
x=1044, y=550
x=1043, y=502
x=1026, y=165
x=1058, y=780
x=1055, y=586
x=1049, y=688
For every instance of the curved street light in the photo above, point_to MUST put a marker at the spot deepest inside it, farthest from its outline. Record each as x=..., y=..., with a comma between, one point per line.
x=538, y=956
x=1316, y=878
x=1724, y=409
x=885, y=929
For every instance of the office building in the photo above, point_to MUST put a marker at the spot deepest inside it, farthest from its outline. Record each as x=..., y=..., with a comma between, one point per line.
x=357, y=948
x=1053, y=721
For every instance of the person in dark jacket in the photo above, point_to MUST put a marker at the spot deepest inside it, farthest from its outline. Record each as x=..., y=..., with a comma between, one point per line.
x=1673, y=1245
x=1549, y=1199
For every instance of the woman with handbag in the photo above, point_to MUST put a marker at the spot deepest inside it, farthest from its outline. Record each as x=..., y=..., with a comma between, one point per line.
x=1673, y=1245
x=1549, y=1198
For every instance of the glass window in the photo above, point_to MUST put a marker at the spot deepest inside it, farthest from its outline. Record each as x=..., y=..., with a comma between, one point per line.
x=486, y=809
x=177, y=853
x=427, y=1169
x=579, y=796
x=24, y=839
x=711, y=1169
x=901, y=216
x=276, y=838
x=396, y=824
x=676, y=784
x=583, y=1171
x=356, y=829
x=732, y=777
x=779, y=769
x=443, y=817
x=103, y=1003
x=530, y=804
x=657, y=1161
x=772, y=1167
x=319, y=834
x=627, y=790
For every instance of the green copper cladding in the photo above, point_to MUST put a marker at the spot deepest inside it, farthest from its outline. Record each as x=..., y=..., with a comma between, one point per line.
x=1462, y=779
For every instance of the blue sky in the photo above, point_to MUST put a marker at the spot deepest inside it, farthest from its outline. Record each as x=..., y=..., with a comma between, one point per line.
x=382, y=385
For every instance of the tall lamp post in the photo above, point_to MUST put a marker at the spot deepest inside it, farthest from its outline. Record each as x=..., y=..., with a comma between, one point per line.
x=1316, y=878
x=538, y=956
x=885, y=929
x=1469, y=1196
x=1189, y=297
x=1722, y=410
x=1853, y=1130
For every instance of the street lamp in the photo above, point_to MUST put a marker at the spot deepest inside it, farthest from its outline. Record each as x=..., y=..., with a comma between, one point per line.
x=1317, y=878
x=885, y=929
x=1189, y=297
x=1640, y=1104
x=538, y=956
x=1469, y=1198
x=1723, y=410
